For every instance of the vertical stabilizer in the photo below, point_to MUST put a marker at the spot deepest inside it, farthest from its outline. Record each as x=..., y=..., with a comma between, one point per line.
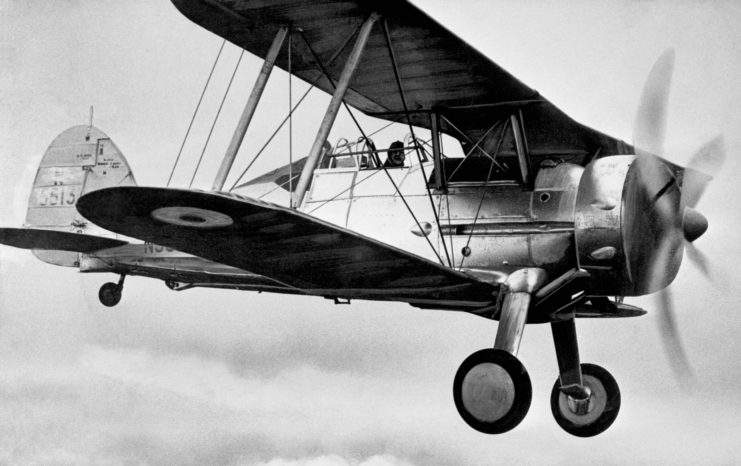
x=79, y=160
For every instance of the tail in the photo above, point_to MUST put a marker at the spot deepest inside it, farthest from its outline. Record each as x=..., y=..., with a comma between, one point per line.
x=79, y=160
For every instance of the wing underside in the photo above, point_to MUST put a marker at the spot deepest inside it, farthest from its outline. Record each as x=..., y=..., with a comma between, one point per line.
x=295, y=249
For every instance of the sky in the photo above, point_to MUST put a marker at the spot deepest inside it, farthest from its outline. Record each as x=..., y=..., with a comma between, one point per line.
x=233, y=378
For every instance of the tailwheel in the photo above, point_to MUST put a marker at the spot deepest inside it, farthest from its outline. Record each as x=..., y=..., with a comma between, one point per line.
x=492, y=391
x=110, y=293
x=593, y=415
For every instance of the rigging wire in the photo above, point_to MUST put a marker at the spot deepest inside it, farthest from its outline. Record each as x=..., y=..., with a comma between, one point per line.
x=218, y=112
x=290, y=122
x=475, y=219
x=471, y=142
x=470, y=152
x=357, y=124
x=392, y=56
x=313, y=84
x=195, y=112
x=483, y=193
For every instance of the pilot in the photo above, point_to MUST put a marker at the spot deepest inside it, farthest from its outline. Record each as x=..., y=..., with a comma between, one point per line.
x=396, y=155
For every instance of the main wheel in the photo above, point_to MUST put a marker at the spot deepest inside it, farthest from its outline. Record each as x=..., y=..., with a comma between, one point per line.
x=602, y=407
x=109, y=294
x=492, y=391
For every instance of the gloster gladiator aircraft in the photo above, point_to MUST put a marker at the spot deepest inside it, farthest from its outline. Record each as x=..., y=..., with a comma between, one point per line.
x=542, y=220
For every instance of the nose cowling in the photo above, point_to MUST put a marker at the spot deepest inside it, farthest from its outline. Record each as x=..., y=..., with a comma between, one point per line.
x=639, y=223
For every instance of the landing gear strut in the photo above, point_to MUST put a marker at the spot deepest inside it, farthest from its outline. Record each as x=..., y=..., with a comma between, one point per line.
x=110, y=293
x=585, y=399
x=492, y=389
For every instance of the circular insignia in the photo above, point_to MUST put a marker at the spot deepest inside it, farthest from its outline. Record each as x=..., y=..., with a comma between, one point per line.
x=192, y=217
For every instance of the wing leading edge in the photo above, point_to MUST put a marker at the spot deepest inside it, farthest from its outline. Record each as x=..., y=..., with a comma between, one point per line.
x=298, y=250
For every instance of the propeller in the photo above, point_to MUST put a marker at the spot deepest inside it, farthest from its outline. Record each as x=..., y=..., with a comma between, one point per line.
x=676, y=220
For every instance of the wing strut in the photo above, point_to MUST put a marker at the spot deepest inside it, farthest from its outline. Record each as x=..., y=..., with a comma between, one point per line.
x=436, y=155
x=334, y=105
x=249, y=109
x=521, y=146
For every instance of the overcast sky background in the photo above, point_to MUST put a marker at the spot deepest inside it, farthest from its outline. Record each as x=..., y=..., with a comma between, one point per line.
x=226, y=377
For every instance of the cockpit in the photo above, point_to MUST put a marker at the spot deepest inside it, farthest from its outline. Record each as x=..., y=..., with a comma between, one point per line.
x=362, y=154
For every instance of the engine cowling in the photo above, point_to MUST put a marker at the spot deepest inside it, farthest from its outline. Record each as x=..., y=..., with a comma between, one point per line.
x=628, y=231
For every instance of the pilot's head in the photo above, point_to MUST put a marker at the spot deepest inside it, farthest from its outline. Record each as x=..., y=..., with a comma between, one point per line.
x=396, y=155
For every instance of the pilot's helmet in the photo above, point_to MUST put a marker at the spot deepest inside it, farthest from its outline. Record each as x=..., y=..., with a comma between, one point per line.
x=396, y=154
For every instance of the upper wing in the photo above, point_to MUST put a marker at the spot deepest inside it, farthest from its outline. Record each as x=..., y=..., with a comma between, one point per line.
x=32, y=238
x=438, y=71
x=291, y=247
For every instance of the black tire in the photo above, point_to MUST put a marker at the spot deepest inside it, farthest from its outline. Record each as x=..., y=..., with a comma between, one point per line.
x=109, y=294
x=503, y=388
x=604, y=403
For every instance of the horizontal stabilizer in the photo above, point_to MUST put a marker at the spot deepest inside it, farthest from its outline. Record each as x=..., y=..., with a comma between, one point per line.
x=291, y=247
x=30, y=238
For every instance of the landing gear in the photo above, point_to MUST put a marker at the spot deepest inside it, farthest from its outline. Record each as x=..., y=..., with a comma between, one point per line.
x=492, y=391
x=590, y=416
x=585, y=399
x=110, y=293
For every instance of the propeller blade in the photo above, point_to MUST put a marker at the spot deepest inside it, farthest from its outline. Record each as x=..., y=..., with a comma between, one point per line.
x=699, y=259
x=666, y=255
x=710, y=157
x=672, y=342
x=650, y=124
x=648, y=135
x=703, y=166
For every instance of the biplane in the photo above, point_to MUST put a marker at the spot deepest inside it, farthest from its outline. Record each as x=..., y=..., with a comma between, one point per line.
x=539, y=220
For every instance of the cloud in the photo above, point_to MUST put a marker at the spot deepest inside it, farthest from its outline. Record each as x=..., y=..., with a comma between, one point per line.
x=334, y=460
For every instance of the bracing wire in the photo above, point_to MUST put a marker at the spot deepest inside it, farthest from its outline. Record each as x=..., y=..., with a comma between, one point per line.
x=392, y=56
x=473, y=148
x=218, y=112
x=195, y=112
x=476, y=218
x=290, y=122
x=483, y=193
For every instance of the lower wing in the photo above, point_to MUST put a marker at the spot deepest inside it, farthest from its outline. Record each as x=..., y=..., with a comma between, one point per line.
x=291, y=247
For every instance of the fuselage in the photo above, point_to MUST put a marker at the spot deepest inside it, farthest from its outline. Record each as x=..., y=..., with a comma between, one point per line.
x=572, y=218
